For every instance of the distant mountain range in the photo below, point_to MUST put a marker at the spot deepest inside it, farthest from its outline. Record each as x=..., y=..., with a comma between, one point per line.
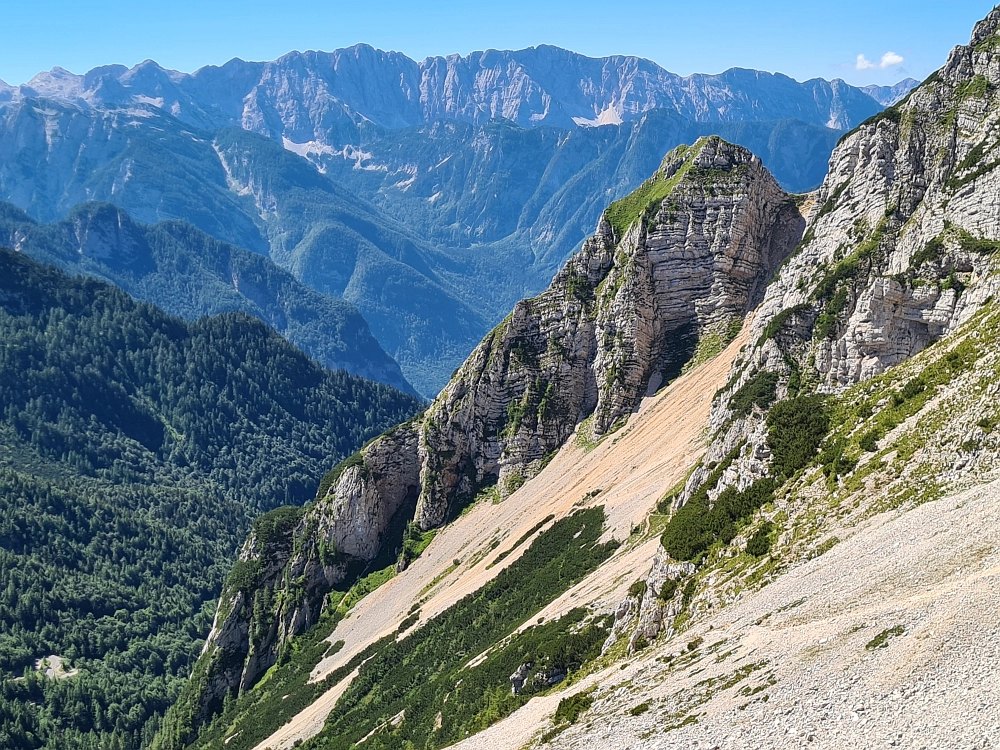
x=326, y=96
x=191, y=274
x=431, y=195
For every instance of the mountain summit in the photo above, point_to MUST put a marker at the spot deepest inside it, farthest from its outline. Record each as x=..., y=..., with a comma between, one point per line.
x=326, y=96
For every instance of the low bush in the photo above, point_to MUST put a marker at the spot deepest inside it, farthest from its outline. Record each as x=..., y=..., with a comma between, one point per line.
x=760, y=391
x=638, y=589
x=795, y=429
x=760, y=543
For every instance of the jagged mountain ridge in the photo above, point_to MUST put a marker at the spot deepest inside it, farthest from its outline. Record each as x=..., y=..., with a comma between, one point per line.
x=899, y=254
x=670, y=273
x=325, y=96
x=187, y=273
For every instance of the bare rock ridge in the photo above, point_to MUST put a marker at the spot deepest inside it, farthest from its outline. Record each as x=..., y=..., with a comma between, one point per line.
x=668, y=277
x=897, y=255
x=328, y=96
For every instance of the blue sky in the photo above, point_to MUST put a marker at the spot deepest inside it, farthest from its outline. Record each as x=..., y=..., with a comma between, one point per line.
x=802, y=39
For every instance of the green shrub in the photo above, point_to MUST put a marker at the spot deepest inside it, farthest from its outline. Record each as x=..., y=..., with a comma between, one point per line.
x=930, y=252
x=775, y=324
x=869, y=441
x=795, y=429
x=882, y=639
x=415, y=541
x=760, y=543
x=638, y=589
x=276, y=525
x=667, y=590
x=913, y=388
x=243, y=576
x=570, y=709
x=760, y=391
x=689, y=591
x=640, y=709
x=409, y=622
x=696, y=527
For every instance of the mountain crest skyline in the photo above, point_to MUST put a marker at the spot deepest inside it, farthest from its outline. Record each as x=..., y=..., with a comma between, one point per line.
x=540, y=85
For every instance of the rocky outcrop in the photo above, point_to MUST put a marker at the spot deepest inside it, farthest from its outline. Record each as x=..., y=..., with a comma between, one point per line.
x=902, y=235
x=899, y=251
x=670, y=273
x=294, y=558
x=678, y=262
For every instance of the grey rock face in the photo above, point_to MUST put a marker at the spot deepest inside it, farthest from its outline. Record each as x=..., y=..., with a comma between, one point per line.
x=898, y=253
x=292, y=574
x=326, y=96
x=622, y=317
x=656, y=612
x=356, y=512
x=679, y=261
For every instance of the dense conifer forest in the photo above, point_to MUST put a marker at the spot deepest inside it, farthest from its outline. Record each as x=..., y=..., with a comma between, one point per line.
x=135, y=449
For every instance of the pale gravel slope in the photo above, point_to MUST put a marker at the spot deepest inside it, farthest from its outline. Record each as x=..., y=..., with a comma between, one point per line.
x=662, y=441
x=934, y=570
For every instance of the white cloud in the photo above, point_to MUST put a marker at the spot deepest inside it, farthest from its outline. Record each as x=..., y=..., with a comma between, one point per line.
x=889, y=60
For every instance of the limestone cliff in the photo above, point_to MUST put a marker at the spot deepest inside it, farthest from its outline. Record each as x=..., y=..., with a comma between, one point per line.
x=899, y=252
x=675, y=264
x=669, y=276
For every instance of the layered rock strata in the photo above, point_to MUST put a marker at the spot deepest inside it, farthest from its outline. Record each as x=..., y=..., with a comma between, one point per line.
x=899, y=251
x=668, y=276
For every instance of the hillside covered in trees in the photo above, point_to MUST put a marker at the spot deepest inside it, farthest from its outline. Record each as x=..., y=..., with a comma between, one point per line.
x=135, y=449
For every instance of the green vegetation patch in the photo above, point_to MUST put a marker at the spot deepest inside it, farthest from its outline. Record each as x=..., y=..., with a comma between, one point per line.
x=883, y=638
x=425, y=674
x=645, y=201
x=568, y=712
x=415, y=541
x=760, y=543
x=759, y=391
x=697, y=526
x=276, y=526
x=795, y=429
x=975, y=88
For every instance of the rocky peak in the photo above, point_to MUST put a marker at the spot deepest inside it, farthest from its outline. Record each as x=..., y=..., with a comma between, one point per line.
x=899, y=252
x=667, y=278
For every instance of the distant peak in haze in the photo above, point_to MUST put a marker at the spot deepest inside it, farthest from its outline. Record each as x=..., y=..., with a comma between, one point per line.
x=542, y=85
x=889, y=95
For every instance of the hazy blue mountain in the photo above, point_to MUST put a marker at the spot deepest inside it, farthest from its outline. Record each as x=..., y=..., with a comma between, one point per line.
x=248, y=191
x=431, y=195
x=189, y=273
x=324, y=96
x=889, y=95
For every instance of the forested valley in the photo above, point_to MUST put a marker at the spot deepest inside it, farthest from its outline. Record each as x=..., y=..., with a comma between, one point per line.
x=135, y=450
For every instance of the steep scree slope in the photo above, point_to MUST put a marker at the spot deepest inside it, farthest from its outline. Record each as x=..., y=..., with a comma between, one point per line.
x=665, y=282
